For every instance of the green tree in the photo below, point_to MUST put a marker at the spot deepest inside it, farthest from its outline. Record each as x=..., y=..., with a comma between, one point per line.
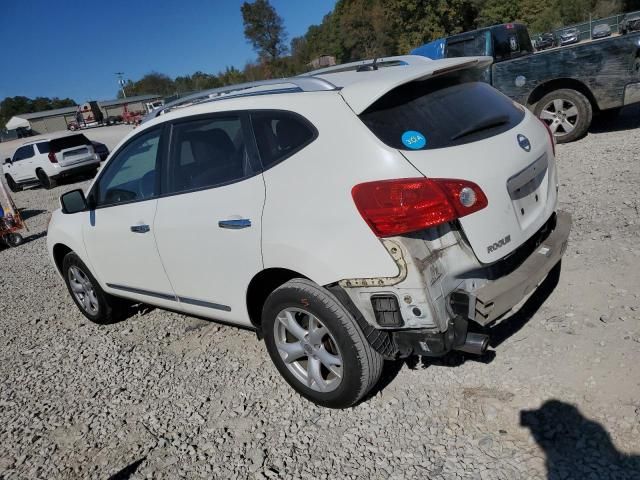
x=12, y=106
x=264, y=29
x=416, y=22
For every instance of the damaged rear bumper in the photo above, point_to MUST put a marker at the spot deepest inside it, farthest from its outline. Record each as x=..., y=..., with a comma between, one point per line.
x=488, y=303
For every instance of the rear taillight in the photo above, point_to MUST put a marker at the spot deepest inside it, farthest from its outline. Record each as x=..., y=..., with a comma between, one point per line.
x=552, y=137
x=52, y=157
x=394, y=207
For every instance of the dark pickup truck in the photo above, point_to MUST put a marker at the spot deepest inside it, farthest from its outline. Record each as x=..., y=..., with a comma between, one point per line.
x=565, y=86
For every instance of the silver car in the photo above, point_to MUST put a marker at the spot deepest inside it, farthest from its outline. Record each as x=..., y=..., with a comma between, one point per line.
x=569, y=36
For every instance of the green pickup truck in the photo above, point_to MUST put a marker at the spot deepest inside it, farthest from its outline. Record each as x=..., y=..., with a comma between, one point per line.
x=564, y=86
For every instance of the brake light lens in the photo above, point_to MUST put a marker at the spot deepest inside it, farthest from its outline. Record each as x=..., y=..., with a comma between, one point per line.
x=552, y=137
x=52, y=157
x=395, y=207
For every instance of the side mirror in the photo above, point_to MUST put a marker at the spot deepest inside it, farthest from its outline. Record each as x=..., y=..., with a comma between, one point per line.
x=73, y=202
x=7, y=161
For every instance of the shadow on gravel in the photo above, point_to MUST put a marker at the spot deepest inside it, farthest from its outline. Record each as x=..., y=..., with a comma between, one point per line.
x=627, y=119
x=510, y=326
x=576, y=447
x=127, y=471
x=27, y=213
x=392, y=368
x=35, y=236
x=498, y=333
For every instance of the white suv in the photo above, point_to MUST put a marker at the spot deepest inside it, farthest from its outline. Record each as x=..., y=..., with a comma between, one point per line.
x=46, y=160
x=355, y=214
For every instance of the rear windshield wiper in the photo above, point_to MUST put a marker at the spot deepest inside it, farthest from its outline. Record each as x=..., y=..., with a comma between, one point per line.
x=482, y=125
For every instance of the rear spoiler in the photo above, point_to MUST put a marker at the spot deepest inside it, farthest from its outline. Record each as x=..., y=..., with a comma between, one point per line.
x=375, y=84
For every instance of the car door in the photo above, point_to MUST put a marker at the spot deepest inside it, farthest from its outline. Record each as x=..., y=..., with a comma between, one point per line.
x=21, y=169
x=208, y=222
x=118, y=235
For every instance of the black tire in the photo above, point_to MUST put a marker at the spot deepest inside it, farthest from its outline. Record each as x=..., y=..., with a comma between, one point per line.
x=109, y=309
x=13, y=240
x=13, y=186
x=580, y=122
x=361, y=365
x=45, y=181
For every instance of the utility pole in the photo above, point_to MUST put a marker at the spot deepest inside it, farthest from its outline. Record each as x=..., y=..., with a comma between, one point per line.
x=121, y=82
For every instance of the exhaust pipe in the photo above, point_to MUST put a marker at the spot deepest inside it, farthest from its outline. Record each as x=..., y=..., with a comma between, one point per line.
x=475, y=343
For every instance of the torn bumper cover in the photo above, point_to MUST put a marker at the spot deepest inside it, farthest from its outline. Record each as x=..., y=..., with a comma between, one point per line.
x=488, y=303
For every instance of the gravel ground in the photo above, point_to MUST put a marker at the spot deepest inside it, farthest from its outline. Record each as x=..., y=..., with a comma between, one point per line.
x=162, y=395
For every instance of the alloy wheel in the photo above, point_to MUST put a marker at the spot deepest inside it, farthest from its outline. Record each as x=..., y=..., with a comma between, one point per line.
x=561, y=115
x=83, y=290
x=308, y=349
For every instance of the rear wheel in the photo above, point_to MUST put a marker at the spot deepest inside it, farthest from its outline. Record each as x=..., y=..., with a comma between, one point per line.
x=317, y=346
x=567, y=112
x=47, y=182
x=95, y=304
x=13, y=186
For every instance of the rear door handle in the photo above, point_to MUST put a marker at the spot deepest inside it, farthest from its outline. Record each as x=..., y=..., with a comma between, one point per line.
x=140, y=228
x=235, y=224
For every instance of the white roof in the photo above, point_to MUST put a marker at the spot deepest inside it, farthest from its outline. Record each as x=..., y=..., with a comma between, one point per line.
x=17, y=122
x=362, y=88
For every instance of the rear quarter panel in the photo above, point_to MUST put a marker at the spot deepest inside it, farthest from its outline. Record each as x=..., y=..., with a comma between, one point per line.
x=604, y=66
x=310, y=222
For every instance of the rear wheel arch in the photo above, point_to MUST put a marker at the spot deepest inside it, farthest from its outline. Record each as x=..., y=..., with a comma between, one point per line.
x=261, y=286
x=559, y=84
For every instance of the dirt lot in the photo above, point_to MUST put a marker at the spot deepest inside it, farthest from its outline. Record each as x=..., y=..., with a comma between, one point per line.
x=163, y=395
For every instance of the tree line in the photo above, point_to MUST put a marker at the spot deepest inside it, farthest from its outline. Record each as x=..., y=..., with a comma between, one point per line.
x=353, y=30
x=358, y=29
x=12, y=106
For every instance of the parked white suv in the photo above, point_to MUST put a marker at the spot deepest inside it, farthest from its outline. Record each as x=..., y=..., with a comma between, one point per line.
x=355, y=214
x=46, y=160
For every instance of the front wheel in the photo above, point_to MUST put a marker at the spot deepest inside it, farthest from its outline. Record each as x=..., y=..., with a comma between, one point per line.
x=317, y=346
x=567, y=112
x=94, y=303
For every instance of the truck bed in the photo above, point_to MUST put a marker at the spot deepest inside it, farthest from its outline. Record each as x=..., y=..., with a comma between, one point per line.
x=606, y=66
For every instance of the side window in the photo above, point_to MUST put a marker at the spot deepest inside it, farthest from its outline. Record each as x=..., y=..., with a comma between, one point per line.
x=206, y=153
x=280, y=135
x=131, y=175
x=43, y=147
x=23, y=153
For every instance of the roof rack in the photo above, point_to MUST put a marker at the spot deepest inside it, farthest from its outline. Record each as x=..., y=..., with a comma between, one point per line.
x=278, y=85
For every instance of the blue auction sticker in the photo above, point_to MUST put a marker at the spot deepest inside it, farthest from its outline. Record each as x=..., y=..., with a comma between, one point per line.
x=414, y=140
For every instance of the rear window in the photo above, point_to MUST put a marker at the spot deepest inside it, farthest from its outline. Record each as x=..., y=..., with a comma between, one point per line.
x=43, y=147
x=511, y=42
x=71, y=141
x=469, y=46
x=441, y=112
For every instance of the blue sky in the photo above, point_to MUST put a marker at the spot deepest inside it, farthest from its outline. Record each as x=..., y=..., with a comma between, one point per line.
x=73, y=48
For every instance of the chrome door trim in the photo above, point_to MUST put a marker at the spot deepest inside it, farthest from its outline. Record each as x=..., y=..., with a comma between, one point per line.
x=173, y=298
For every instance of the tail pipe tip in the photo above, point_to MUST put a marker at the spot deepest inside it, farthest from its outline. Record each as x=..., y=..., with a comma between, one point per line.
x=474, y=343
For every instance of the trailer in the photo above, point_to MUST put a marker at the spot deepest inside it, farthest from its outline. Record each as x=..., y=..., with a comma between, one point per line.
x=11, y=223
